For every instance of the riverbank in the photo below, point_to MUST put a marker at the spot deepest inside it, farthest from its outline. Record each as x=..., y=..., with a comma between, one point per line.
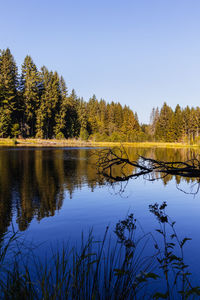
x=79, y=143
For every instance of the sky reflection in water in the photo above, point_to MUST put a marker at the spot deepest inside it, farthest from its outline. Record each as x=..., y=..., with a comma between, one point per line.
x=53, y=195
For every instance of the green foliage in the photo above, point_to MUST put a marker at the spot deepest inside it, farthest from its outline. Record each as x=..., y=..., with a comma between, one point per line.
x=40, y=104
x=97, y=137
x=181, y=125
x=50, y=104
x=115, y=137
x=84, y=134
x=15, y=130
x=8, y=92
x=60, y=136
x=30, y=95
x=72, y=119
x=5, y=121
x=60, y=129
x=164, y=130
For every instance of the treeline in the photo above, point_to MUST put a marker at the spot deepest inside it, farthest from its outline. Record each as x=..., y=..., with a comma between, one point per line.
x=36, y=103
x=179, y=125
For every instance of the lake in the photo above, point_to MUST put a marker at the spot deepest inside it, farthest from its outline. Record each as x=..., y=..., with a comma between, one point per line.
x=52, y=195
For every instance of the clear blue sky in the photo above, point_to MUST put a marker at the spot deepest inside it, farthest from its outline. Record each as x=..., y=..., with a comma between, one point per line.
x=138, y=52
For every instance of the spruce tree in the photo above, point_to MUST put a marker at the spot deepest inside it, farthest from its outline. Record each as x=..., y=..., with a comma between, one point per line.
x=153, y=120
x=72, y=121
x=8, y=92
x=103, y=117
x=165, y=125
x=60, y=118
x=92, y=114
x=178, y=124
x=46, y=113
x=82, y=118
x=130, y=127
x=111, y=118
x=30, y=93
x=186, y=124
x=193, y=124
x=118, y=117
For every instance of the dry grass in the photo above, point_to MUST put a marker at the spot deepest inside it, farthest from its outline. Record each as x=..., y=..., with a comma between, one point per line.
x=78, y=143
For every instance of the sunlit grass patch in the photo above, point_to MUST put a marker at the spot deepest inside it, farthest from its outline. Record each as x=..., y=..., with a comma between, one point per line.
x=90, y=143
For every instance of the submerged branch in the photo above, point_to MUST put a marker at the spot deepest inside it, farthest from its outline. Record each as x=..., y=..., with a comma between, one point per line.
x=109, y=159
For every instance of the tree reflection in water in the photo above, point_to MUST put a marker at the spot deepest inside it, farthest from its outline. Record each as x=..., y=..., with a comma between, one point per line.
x=33, y=182
x=116, y=166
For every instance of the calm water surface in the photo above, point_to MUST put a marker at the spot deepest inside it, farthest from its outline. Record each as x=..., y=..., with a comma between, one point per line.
x=52, y=195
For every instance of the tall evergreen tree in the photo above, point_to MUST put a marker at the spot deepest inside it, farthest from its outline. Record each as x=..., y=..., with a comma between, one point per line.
x=153, y=120
x=103, y=118
x=193, y=124
x=82, y=117
x=72, y=121
x=30, y=93
x=178, y=124
x=111, y=118
x=60, y=118
x=118, y=116
x=49, y=104
x=92, y=114
x=82, y=114
x=186, y=123
x=130, y=127
x=8, y=92
x=165, y=125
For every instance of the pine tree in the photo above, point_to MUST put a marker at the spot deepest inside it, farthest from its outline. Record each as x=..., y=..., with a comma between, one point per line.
x=82, y=117
x=153, y=120
x=178, y=124
x=72, y=121
x=82, y=114
x=130, y=127
x=8, y=92
x=60, y=118
x=186, y=123
x=103, y=118
x=111, y=118
x=30, y=93
x=118, y=117
x=198, y=120
x=165, y=125
x=193, y=124
x=92, y=108
x=46, y=114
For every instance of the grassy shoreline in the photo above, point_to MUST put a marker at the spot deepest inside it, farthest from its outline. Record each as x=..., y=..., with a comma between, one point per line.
x=78, y=143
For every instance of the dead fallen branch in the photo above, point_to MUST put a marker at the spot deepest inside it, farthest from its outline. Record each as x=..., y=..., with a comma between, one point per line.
x=109, y=159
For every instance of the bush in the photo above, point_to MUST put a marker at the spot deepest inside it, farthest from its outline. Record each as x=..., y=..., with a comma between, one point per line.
x=84, y=134
x=15, y=130
x=98, y=137
x=60, y=136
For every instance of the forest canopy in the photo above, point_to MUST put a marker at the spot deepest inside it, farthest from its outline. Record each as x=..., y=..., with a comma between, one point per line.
x=36, y=103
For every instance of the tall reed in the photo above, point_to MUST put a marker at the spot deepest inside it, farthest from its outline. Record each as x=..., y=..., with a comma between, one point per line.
x=111, y=268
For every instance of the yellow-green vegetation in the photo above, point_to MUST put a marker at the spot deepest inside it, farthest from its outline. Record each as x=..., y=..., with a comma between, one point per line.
x=8, y=142
x=89, y=143
x=36, y=104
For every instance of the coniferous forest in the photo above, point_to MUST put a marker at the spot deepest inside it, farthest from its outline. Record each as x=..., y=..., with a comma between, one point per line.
x=36, y=104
